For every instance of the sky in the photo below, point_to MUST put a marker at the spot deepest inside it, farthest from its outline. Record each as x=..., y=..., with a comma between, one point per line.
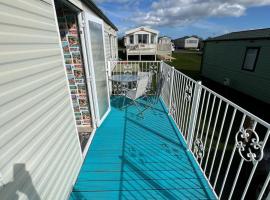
x=178, y=18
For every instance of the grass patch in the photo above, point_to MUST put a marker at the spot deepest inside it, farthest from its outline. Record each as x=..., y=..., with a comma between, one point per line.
x=188, y=63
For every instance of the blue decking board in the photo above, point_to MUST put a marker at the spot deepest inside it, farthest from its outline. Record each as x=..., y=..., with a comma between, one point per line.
x=142, y=194
x=144, y=166
x=142, y=184
x=114, y=176
x=139, y=158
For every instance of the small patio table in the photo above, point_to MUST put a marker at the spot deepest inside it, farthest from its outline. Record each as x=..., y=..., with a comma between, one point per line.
x=126, y=78
x=123, y=80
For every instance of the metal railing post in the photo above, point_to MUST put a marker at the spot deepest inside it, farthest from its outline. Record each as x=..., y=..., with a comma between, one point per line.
x=171, y=88
x=194, y=113
x=109, y=73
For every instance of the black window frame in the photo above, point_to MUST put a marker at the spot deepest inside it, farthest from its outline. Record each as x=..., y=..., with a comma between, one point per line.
x=256, y=59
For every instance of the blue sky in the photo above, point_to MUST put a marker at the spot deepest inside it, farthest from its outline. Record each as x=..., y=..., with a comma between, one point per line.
x=177, y=18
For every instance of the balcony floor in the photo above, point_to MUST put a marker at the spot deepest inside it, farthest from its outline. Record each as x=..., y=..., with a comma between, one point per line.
x=135, y=158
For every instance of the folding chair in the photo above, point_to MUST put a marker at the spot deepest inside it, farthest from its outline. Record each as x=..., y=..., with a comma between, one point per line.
x=139, y=91
x=160, y=84
x=155, y=98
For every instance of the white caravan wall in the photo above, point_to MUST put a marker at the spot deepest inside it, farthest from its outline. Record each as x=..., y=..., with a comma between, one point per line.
x=194, y=44
x=39, y=149
x=111, y=48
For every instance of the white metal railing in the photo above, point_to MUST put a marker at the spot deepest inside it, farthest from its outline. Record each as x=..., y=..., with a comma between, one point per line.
x=141, y=46
x=227, y=141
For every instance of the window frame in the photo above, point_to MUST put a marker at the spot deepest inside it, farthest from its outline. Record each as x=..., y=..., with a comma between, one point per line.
x=256, y=59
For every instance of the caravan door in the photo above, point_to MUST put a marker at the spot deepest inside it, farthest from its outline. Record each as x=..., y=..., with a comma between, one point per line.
x=95, y=45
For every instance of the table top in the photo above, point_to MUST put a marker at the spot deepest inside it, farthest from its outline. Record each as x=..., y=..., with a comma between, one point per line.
x=124, y=78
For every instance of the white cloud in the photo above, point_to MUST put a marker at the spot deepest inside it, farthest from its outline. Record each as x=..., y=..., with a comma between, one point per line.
x=183, y=12
x=176, y=14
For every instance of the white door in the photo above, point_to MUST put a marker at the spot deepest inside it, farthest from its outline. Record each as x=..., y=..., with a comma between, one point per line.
x=94, y=34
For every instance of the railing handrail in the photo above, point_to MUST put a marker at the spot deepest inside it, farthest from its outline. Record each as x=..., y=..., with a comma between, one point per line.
x=133, y=61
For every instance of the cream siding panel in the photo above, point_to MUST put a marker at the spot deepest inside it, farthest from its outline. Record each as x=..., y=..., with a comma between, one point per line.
x=111, y=54
x=37, y=126
x=107, y=46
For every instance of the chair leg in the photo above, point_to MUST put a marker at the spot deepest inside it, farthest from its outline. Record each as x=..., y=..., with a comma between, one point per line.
x=140, y=112
x=124, y=101
x=138, y=105
x=151, y=103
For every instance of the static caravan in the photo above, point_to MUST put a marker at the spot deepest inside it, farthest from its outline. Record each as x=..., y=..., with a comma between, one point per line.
x=240, y=60
x=141, y=41
x=164, y=40
x=54, y=93
x=187, y=42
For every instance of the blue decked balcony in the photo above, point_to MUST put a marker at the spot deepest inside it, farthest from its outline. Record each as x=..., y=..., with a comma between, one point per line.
x=140, y=158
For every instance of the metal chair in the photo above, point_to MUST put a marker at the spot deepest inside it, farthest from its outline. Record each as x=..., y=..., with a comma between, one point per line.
x=139, y=91
x=160, y=84
x=155, y=98
x=150, y=78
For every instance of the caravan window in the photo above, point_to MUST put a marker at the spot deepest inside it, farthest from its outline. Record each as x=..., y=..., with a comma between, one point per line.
x=192, y=41
x=142, y=38
x=250, y=58
x=152, y=38
x=131, y=39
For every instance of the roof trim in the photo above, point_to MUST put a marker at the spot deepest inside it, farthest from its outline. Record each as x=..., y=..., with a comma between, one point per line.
x=223, y=37
x=99, y=12
x=141, y=28
x=237, y=39
x=186, y=37
x=165, y=37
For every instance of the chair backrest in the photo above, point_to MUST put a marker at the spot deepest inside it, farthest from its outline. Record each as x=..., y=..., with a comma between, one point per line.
x=150, y=78
x=141, y=86
x=160, y=84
